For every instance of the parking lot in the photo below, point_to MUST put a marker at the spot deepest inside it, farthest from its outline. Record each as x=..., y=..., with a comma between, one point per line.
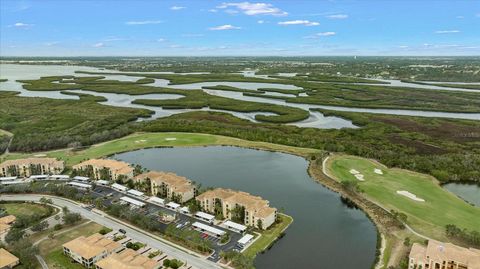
x=182, y=221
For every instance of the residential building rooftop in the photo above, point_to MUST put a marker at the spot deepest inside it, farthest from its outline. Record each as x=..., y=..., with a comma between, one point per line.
x=7, y=259
x=127, y=259
x=28, y=161
x=8, y=219
x=92, y=246
x=250, y=202
x=179, y=183
x=117, y=166
x=439, y=252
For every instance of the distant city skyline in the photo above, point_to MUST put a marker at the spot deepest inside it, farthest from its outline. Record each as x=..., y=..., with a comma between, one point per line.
x=239, y=28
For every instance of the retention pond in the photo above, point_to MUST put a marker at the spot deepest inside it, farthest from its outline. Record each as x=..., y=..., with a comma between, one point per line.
x=325, y=233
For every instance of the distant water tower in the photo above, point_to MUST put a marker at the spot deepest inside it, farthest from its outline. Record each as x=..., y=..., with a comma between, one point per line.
x=354, y=57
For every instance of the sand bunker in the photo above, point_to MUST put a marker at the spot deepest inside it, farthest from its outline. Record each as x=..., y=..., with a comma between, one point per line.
x=360, y=177
x=141, y=141
x=170, y=139
x=39, y=155
x=357, y=174
x=378, y=171
x=411, y=196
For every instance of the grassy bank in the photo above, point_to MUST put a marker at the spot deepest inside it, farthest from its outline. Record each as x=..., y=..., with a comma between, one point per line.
x=269, y=236
x=429, y=217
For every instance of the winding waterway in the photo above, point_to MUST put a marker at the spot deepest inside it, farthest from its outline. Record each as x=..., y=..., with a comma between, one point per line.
x=325, y=233
x=14, y=72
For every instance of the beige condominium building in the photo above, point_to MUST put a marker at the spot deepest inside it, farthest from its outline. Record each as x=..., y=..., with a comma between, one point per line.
x=127, y=259
x=89, y=250
x=31, y=166
x=438, y=255
x=105, y=169
x=7, y=259
x=257, y=210
x=169, y=185
x=5, y=223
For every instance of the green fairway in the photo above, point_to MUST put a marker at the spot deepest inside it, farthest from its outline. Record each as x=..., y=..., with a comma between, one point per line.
x=429, y=217
x=148, y=140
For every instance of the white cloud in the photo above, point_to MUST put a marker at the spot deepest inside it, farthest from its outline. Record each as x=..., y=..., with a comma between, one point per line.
x=224, y=27
x=260, y=21
x=447, y=32
x=338, y=16
x=213, y=10
x=460, y=17
x=21, y=25
x=142, y=22
x=99, y=45
x=322, y=34
x=403, y=47
x=254, y=8
x=300, y=22
x=177, y=8
x=161, y=40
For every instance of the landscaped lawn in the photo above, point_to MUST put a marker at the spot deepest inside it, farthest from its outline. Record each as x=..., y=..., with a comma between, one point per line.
x=57, y=260
x=25, y=209
x=51, y=249
x=145, y=140
x=268, y=236
x=429, y=217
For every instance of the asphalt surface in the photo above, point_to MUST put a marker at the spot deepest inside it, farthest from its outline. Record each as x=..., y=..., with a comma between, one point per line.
x=113, y=196
x=191, y=259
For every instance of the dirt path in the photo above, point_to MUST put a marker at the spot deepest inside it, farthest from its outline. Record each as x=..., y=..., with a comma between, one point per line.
x=62, y=232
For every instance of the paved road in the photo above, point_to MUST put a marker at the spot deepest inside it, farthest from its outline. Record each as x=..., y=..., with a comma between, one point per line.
x=42, y=262
x=190, y=258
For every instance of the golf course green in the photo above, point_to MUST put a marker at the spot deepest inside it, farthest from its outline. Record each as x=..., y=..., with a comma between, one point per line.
x=428, y=217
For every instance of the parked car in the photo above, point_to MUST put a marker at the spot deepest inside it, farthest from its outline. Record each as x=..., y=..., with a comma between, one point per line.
x=122, y=231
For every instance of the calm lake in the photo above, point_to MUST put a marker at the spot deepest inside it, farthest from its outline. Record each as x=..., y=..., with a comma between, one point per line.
x=325, y=233
x=468, y=192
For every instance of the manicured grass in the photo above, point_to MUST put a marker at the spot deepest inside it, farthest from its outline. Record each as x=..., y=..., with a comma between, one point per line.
x=57, y=260
x=430, y=217
x=25, y=209
x=146, y=140
x=268, y=236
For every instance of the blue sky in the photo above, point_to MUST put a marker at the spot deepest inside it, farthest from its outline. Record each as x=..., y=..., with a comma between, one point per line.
x=210, y=28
